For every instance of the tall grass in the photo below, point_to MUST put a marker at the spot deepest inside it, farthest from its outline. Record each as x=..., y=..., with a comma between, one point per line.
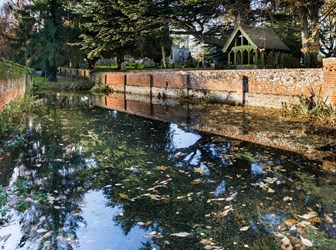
x=314, y=108
x=13, y=121
x=41, y=83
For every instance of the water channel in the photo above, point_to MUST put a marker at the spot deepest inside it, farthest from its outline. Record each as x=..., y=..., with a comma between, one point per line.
x=89, y=177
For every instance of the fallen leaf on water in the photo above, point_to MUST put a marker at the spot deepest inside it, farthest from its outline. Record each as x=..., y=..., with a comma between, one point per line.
x=70, y=237
x=271, y=190
x=316, y=220
x=153, y=234
x=199, y=170
x=295, y=241
x=306, y=242
x=155, y=197
x=277, y=234
x=123, y=196
x=290, y=222
x=41, y=231
x=308, y=216
x=196, y=181
x=205, y=241
x=230, y=198
x=286, y=244
x=43, y=218
x=149, y=223
x=47, y=235
x=218, y=199
x=243, y=229
x=181, y=234
x=161, y=168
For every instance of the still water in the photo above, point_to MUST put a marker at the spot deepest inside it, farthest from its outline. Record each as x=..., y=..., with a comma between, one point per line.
x=94, y=178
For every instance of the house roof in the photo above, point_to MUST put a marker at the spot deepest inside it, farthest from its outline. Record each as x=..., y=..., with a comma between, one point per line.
x=259, y=37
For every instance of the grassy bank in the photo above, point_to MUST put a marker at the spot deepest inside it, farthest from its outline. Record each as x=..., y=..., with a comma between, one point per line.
x=42, y=83
x=13, y=117
x=10, y=70
x=13, y=123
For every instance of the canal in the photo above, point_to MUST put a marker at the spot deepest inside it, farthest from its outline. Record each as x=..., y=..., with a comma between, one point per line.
x=89, y=177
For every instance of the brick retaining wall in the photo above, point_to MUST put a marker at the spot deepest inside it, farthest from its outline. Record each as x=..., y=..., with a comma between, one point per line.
x=265, y=87
x=11, y=90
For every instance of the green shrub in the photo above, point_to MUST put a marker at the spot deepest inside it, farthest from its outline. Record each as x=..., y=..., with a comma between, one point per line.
x=13, y=121
x=41, y=83
x=101, y=89
x=313, y=107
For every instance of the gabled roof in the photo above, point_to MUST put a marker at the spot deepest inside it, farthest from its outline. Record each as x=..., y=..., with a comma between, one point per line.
x=259, y=37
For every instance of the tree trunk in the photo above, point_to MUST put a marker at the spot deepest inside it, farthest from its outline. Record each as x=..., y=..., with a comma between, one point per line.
x=120, y=60
x=304, y=39
x=163, y=52
x=52, y=74
x=315, y=45
x=91, y=63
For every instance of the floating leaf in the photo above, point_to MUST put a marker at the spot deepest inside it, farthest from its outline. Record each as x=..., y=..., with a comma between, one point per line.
x=123, y=196
x=181, y=234
x=199, y=170
x=290, y=222
x=196, y=181
x=205, y=242
x=271, y=190
x=306, y=242
x=43, y=218
x=149, y=223
x=279, y=235
x=308, y=216
x=243, y=229
x=161, y=168
x=41, y=231
x=230, y=198
x=286, y=244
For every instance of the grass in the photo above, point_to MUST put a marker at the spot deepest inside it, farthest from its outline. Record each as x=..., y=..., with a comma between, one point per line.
x=203, y=100
x=101, y=89
x=13, y=122
x=41, y=83
x=315, y=109
x=10, y=70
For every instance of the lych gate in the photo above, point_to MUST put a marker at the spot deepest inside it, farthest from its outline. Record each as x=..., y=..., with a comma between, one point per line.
x=250, y=46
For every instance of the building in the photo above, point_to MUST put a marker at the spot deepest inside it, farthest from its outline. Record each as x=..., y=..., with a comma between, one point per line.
x=255, y=47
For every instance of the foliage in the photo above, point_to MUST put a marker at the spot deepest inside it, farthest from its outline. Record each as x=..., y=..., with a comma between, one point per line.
x=314, y=108
x=44, y=29
x=41, y=83
x=13, y=121
x=3, y=202
x=101, y=89
x=10, y=70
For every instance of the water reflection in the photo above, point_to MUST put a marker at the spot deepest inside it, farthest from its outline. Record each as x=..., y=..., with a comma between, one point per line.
x=235, y=122
x=90, y=178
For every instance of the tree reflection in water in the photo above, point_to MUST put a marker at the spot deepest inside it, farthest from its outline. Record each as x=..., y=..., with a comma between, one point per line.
x=104, y=178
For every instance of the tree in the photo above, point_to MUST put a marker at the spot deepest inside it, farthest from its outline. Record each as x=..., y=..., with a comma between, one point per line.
x=44, y=28
x=328, y=29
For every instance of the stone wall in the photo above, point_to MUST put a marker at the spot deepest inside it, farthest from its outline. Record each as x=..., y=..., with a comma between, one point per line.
x=255, y=87
x=11, y=89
